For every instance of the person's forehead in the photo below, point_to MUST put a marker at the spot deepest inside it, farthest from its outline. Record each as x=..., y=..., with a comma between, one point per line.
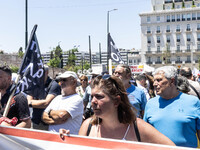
x=119, y=68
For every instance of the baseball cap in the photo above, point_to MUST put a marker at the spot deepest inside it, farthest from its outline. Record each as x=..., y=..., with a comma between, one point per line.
x=68, y=74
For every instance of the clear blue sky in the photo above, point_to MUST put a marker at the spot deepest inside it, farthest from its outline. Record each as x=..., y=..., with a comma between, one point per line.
x=70, y=22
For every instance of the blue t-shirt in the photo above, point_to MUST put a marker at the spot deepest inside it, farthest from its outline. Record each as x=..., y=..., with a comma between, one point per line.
x=177, y=118
x=137, y=98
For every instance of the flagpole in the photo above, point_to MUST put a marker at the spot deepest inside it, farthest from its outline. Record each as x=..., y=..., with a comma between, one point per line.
x=5, y=113
x=18, y=77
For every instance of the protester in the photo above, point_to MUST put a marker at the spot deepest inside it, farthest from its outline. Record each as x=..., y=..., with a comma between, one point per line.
x=42, y=100
x=18, y=114
x=173, y=113
x=194, y=85
x=84, y=83
x=66, y=110
x=115, y=117
x=136, y=96
x=183, y=84
x=87, y=100
x=141, y=83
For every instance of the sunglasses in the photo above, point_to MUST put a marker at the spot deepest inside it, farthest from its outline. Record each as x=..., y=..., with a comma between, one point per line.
x=83, y=80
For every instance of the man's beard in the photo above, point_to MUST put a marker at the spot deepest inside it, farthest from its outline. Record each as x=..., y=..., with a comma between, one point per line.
x=3, y=86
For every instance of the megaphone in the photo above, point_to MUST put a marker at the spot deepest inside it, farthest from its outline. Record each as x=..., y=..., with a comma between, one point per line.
x=89, y=71
x=85, y=71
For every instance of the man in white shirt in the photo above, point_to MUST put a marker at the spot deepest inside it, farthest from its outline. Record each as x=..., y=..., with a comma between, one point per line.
x=66, y=110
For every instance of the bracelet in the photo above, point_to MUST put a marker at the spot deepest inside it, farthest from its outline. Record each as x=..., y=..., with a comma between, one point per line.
x=30, y=105
x=49, y=113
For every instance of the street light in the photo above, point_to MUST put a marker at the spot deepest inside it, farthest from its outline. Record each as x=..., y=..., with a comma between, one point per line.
x=108, y=57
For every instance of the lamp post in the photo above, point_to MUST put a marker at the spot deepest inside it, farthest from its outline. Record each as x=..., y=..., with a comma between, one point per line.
x=108, y=57
x=26, y=23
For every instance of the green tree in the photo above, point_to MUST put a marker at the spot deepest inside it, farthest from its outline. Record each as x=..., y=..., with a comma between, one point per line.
x=56, y=58
x=166, y=55
x=14, y=69
x=20, y=52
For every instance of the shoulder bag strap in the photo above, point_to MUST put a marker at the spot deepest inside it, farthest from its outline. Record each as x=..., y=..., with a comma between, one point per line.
x=137, y=131
x=195, y=90
x=89, y=128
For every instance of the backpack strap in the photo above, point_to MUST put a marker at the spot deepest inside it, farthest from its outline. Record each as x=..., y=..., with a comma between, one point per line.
x=194, y=90
x=89, y=128
x=137, y=131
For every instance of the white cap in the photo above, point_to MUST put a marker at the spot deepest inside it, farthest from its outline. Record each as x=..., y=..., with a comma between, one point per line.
x=68, y=74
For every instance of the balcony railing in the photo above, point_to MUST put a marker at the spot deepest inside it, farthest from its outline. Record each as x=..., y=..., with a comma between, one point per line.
x=198, y=39
x=158, y=41
x=178, y=30
x=149, y=52
x=158, y=31
x=178, y=40
x=149, y=62
x=178, y=1
x=148, y=32
x=188, y=40
x=187, y=0
x=188, y=61
x=168, y=20
x=149, y=42
x=193, y=18
x=167, y=31
x=168, y=1
x=168, y=41
x=188, y=29
x=158, y=62
x=178, y=62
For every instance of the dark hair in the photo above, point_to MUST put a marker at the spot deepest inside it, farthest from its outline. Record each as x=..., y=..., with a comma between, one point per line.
x=6, y=69
x=141, y=77
x=126, y=68
x=113, y=86
x=186, y=72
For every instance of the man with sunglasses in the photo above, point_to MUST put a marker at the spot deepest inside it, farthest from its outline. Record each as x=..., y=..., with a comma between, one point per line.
x=66, y=110
x=136, y=95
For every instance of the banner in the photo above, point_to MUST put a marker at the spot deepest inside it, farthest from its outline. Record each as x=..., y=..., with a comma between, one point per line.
x=32, y=68
x=114, y=52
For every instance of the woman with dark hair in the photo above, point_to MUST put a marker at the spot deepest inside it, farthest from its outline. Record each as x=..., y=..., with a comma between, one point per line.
x=114, y=117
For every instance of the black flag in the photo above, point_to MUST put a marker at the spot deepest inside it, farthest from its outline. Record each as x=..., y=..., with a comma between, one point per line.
x=32, y=68
x=114, y=52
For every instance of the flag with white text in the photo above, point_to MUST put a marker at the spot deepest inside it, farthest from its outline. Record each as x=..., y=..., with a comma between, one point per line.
x=32, y=68
x=114, y=52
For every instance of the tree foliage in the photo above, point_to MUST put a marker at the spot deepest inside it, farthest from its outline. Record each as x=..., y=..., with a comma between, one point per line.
x=20, y=52
x=56, y=57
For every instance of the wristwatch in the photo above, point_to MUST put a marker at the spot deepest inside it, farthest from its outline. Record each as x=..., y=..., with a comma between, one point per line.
x=30, y=104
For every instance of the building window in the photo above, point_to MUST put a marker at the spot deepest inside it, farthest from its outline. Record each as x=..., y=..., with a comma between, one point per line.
x=198, y=36
x=188, y=17
x=158, y=18
x=149, y=48
x=178, y=29
x=183, y=17
x=178, y=6
x=148, y=30
x=188, y=58
x=178, y=48
x=193, y=16
x=188, y=6
x=158, y=39
x=168, y=18
x=188, y=37
x=148, y=39
x=149, y=59
x=198, y=4
x=158, y=29
x=158, y=48
x=168, y=38
x=178, y=58
x=198, y=16
x=158, y=60
x=188, y=27
x=148, y=19
x=173, y=18
x=198, y=26
x=188, y=47
x=178, y=17
x=198, y=47
x=168, y=28
x=178, y=37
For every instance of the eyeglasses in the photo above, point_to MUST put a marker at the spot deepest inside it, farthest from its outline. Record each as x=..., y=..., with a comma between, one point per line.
x=119, y=73
x=83, y=80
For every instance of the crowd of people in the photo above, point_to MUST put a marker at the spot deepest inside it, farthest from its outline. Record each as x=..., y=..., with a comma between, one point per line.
x=162, y=107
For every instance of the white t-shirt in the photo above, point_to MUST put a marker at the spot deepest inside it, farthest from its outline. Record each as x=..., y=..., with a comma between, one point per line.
x=73, y=104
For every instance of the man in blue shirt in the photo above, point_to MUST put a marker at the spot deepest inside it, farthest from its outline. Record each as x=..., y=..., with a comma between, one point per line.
x=173, y=113
x=136, y=95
